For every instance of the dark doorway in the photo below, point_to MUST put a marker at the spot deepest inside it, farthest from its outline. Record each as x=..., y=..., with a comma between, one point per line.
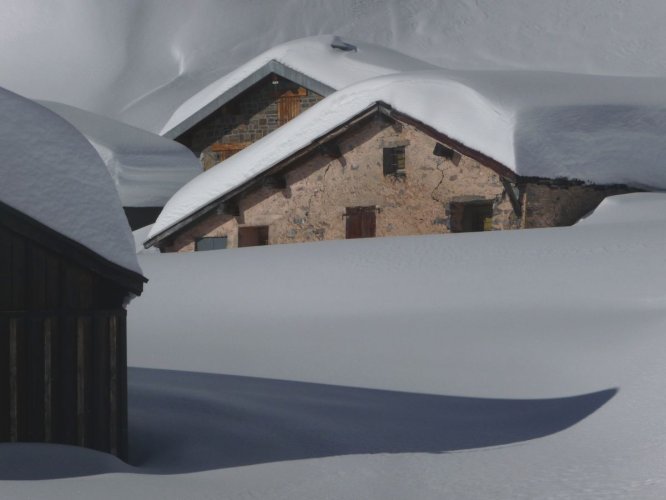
x=252, y=236
x=471, y=216
x=361, y=222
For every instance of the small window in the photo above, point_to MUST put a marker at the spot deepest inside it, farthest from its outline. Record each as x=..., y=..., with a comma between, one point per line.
x=394, y=161
x=212, y=243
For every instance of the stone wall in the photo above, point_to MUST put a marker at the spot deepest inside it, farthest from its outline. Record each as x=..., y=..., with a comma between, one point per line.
x=244, y=120
x=319, y=189
x=551, y=203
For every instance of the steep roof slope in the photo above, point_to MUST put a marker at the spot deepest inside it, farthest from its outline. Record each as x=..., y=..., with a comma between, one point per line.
x=51, y=173
x=537, y=124
x=146, y=168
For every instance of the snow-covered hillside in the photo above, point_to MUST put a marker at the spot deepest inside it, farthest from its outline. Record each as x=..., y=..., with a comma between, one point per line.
x=138, y=61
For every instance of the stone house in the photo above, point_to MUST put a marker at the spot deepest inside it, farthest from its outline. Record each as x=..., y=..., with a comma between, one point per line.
x=381, y=173
x=255, y=107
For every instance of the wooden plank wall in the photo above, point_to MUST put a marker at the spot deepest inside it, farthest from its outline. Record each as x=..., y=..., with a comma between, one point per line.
x=63, y=361
x=63, y=380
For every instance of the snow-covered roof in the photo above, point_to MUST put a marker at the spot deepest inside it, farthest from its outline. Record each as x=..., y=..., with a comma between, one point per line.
x=323, y=64
x=597, y=129
x=51, y=173
x=146, y=168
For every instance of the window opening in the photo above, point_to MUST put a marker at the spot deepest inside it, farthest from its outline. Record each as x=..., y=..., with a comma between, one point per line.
x=210, y=243
x=394, y=161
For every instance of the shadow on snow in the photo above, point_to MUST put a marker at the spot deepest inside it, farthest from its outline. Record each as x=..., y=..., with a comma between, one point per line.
x=184, y=422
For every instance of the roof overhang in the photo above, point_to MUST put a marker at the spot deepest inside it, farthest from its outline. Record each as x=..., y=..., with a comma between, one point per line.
x=378, y=107
x=271, y=67
x=60, y=244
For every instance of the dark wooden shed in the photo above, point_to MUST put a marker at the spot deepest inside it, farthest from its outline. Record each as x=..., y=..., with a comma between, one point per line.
x=63, y=361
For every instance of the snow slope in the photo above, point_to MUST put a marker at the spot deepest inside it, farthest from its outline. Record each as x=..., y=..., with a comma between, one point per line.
x=138, y=61
x=598, y=129
x=509, y=365
x=146, y=168
x=51, y=173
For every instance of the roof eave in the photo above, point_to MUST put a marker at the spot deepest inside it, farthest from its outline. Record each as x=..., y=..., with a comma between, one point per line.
x=269, y=68
x=31, y=228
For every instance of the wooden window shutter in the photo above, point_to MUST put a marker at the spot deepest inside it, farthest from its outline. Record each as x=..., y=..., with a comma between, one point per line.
x=289, y=105
x=361, y=222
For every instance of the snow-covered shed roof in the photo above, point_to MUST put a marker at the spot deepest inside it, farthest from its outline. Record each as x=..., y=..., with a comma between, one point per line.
x=146, y=168
x=52, y=174
x=598, y=129
x=323, y=64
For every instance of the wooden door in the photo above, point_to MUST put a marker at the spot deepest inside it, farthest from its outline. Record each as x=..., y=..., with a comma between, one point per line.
x=252, y=236
x=361, y=222
x=289, y=104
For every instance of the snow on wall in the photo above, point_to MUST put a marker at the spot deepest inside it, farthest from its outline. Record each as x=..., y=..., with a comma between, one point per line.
x=596, y=129
x=138, y=61
x=146, y=168
x=51, y=173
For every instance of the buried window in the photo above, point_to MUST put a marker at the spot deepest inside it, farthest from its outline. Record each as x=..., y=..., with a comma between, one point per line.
x=210, y=243
x=471, y=216
x=252, y=236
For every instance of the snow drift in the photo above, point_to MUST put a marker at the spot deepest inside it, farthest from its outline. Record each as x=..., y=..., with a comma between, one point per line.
x=51, y=173
x=146, y=168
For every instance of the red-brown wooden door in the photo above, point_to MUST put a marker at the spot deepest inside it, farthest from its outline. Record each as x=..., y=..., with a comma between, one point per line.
x=289, y=104
x=361, y=222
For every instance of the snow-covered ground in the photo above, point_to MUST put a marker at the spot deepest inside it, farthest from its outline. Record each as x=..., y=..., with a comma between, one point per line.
x=504, y=365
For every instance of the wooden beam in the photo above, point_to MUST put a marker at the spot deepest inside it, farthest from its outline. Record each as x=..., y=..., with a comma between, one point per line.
x=224, y=148
x=228, y=208
x=331, y=149
x=276, y=181
x=514, y=196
